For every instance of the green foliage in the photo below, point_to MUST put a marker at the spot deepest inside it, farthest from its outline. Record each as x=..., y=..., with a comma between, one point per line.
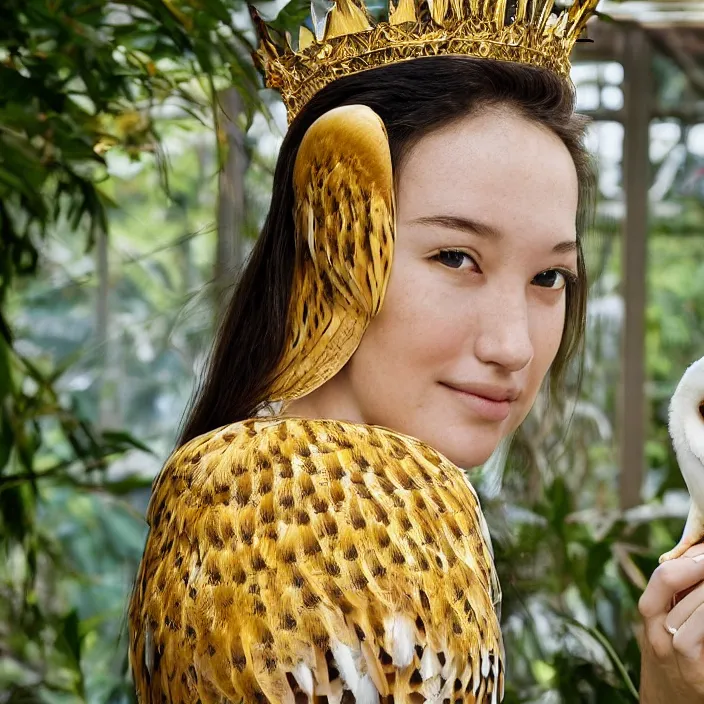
x=85, y=518
x=80, y=82
x=79, y=78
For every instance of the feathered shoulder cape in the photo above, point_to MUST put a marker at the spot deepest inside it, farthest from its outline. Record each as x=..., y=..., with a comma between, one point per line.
x=293, y=561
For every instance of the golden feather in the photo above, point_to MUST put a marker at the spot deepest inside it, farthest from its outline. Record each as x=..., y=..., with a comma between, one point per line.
x=291, y=559
x=344, y=246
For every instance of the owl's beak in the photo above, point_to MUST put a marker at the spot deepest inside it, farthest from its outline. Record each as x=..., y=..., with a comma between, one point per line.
x=701, y=410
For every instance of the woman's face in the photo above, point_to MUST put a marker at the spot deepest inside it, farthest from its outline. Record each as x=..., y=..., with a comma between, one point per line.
x=475, y=307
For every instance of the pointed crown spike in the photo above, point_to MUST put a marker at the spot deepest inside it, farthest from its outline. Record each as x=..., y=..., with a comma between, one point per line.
x=405, y=12
x=438, y=10
x=305, y=38
x=346, y=18
x=456, y=8
x=347, y=41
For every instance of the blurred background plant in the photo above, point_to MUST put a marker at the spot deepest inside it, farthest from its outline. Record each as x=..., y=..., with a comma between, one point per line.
x=128, y=200
x=112, y=135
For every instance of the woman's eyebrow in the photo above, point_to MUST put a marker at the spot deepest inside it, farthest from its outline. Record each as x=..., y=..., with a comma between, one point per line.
x=455, y=222
x=565, y=247
x=481, y=229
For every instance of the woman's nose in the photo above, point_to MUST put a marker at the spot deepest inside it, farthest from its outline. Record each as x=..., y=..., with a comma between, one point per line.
x=504, y=336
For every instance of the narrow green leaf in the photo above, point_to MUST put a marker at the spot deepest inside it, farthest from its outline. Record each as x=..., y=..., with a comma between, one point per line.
x=608, y=648
x=122, y=440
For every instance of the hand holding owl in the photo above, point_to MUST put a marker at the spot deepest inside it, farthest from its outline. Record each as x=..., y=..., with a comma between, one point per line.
x=672, y=605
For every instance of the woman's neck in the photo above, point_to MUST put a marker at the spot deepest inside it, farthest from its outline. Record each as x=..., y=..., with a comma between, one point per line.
x=333, y=400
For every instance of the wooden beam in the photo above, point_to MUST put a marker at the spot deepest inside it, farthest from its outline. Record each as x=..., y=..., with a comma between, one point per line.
x=693, y=115
x=638, y=94
x=231, y=198
x=606, y=43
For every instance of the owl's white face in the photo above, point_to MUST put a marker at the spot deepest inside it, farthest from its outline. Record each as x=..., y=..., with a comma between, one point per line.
x=475, y=307
x=696, y=432
x=687, y=412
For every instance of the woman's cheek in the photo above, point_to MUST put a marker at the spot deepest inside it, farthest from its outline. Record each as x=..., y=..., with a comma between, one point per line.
x=547, y=329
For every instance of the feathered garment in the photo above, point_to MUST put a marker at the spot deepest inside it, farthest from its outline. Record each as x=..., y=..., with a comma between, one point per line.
x=295, y=561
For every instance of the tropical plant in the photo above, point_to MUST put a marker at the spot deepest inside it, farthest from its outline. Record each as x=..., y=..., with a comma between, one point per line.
x=79, y=82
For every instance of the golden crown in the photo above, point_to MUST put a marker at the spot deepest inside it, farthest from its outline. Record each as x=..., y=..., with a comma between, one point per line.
x=348, y=41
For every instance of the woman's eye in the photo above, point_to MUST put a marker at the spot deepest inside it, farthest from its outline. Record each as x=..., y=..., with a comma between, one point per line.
x=552, y=278
x=454, y=258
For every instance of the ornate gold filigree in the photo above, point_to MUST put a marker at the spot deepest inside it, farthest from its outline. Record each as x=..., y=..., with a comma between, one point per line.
x=525, y=31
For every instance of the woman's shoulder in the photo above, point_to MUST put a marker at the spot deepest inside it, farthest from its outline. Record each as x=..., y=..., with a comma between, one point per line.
x=292, y=434
x=210, y=463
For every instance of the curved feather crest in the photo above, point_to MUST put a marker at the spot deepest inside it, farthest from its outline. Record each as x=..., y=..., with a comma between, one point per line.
x=345, y=229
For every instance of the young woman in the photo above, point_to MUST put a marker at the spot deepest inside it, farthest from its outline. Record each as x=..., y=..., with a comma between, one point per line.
x=479, y=168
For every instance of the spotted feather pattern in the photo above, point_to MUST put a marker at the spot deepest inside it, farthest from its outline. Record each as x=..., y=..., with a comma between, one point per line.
x=293, y=561
x=344, y=217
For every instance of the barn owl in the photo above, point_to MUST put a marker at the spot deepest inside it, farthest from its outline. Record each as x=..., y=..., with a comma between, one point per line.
x=686, y=424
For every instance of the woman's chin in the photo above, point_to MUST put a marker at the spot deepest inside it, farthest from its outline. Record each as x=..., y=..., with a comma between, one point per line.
x=467, y=442
x=468, y=460
x=466, y=453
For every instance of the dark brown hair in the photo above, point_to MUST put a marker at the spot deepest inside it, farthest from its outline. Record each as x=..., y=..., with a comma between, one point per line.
x=412, y=98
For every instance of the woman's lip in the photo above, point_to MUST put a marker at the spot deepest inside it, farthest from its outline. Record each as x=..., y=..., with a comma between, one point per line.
x=484, y=407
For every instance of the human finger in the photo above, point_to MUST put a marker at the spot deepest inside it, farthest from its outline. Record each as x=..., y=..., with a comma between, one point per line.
x=688, y=642
x=695, y=550
x=685, y=607
x=668, y=579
